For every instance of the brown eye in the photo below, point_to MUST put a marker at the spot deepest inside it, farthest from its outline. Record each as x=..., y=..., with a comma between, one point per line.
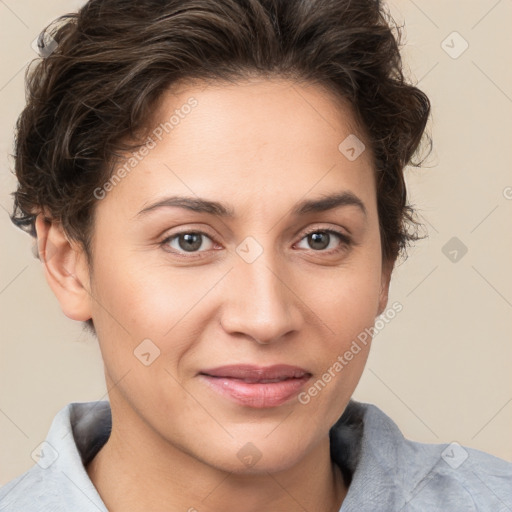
x=187, y=242
x=321, y=239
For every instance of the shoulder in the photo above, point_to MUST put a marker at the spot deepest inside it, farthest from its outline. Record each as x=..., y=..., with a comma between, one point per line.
x=396, y=473
x=28, y=492
x=58, y=481
x=456, y=477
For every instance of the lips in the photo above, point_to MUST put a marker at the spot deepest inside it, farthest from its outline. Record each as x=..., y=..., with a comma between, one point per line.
x=251, y=373
x=255, y=386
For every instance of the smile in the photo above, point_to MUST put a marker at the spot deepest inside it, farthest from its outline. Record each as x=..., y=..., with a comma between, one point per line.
x=256, y=387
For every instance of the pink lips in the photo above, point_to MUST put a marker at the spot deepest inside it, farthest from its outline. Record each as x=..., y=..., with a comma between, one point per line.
x=255, y=386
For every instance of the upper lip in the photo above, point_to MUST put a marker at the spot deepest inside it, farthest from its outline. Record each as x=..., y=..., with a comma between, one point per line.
x=257, y=373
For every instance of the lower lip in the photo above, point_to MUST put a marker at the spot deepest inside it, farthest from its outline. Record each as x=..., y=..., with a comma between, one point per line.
x=256, y=395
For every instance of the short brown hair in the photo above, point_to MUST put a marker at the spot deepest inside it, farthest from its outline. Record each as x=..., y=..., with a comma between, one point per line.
x=114, y=59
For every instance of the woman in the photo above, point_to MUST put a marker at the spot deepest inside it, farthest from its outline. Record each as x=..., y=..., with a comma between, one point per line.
x=217, y=191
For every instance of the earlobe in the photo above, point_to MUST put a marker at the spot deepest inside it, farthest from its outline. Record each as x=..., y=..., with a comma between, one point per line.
x=65, y=268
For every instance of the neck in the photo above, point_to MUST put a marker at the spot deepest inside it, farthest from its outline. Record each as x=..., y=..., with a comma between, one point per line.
x=136, y=470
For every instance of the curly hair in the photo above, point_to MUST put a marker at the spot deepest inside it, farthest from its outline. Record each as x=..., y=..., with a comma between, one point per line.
x=107, y=66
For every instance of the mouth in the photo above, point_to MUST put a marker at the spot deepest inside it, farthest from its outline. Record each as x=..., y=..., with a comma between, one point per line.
x=255, y=386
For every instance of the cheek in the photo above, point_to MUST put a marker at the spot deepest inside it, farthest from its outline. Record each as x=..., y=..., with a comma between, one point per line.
x=350, y=297
x=134, y=301
x=349, y=308
x=351, y=315
x=145, y=299
x=348, y=312
x=137, y=299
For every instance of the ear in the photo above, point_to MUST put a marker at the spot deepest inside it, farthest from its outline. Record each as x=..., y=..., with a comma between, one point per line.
x=387, y=269
x=65, y=268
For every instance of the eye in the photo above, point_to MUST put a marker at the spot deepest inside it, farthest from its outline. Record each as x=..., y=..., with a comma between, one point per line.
x=321, y=239
x=187, y=241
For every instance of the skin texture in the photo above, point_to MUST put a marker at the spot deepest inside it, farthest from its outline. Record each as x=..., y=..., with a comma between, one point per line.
x=259, y=146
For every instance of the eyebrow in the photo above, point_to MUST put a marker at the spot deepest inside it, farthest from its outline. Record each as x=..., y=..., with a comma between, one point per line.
x=197, y=204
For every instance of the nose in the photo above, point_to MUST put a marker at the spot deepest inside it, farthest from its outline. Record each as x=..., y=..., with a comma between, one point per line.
x=259, y=302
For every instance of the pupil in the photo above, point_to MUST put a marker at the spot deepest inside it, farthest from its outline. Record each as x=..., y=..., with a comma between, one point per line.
x=190, y=244
x=316, y=238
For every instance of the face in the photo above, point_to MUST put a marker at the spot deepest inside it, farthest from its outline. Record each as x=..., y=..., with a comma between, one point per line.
x=195, y=305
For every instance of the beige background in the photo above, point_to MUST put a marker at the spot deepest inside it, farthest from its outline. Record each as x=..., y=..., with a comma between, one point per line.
x=441, y=368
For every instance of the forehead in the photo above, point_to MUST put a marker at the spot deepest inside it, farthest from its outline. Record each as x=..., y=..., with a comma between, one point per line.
x=253, y=110
x=266, y=139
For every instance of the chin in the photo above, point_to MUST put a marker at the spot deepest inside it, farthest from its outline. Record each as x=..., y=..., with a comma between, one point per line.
x=258, y=457
x=262, y=467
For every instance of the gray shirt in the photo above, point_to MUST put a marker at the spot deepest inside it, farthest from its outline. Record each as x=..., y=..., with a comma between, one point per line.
x=385, y=471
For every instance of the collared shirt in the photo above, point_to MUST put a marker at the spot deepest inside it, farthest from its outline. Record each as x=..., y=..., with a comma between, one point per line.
x=385, y=471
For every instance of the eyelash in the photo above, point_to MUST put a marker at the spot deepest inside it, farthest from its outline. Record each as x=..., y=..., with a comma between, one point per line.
x=346, y=242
